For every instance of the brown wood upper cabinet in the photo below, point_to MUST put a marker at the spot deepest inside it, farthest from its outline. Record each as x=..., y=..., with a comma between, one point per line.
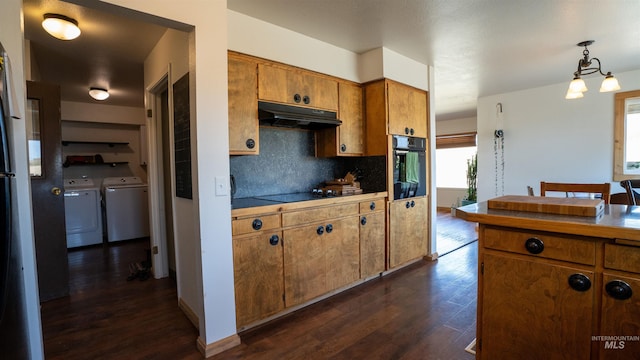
x=296, y=87
x=243, y=106
x=392, y=108
x=348, y=138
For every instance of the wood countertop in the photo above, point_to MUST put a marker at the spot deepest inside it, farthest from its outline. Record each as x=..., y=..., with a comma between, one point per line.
x=298, y=205
x=615, y=222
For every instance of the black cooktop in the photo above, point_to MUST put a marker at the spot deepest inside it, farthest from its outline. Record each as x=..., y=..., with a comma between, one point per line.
x=271, y=200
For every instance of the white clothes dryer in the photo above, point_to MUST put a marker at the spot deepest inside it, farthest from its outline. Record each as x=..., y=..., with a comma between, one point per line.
x=82, y=213
x=126, y=207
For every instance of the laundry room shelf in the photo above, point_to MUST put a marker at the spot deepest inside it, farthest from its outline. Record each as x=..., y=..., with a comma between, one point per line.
x=109, y=143
x=112, y=164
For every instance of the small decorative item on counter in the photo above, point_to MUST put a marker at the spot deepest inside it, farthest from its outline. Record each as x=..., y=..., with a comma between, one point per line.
x=343, y=186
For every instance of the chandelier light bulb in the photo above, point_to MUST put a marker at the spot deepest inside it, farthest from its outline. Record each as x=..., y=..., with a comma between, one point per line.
x=609, y=83
x=577, y=85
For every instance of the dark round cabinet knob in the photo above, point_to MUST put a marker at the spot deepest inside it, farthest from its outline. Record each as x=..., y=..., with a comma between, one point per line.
x=413, y=203
x=251, y=143
x=372, y=206
x=406, y=131
x=407, y=205
x=343, y=148
x=534, y=245
x=329, y=228
x=320, y=230
x=256, y=224
x=411, y=131
x=579, y=282
x=297, y=98
x=618, y=289
x=306, y=99
x=363, y=220
x=273, y=240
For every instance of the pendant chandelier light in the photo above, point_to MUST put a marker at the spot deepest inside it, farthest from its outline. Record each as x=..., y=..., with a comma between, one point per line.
x=60, y=26
x=577, y=86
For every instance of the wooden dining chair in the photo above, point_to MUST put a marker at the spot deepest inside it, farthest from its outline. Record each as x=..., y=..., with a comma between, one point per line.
x=633, y=197
x=604, y=189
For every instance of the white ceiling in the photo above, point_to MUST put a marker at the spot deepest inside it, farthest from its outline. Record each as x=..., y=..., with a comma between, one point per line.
x=477, y=48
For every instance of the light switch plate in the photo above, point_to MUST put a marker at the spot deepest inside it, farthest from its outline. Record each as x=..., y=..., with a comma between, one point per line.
x=221, y=186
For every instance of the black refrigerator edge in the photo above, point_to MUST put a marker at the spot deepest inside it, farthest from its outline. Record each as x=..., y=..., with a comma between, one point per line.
x=13, y=328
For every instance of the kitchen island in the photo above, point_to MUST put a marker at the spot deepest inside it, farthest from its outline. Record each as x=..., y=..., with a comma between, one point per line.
x=557, y=286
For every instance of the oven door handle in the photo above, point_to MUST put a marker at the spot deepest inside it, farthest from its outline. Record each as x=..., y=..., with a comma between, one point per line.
x=401, y=152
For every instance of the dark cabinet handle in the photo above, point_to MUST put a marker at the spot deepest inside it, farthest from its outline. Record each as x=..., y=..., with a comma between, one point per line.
x=411, y=131
x=413, y=203
x=579, y=282
x=256, y=224
x=363, y=221
x=534, y=245
x=372, y=206
x=343, y=148
x=297, y=98
x=329, y=228
x=273, y=240
x=618, y=289
x=306, y=99
x=406, y=131
x=408, y=205
x=250, y=143
x=320, y=230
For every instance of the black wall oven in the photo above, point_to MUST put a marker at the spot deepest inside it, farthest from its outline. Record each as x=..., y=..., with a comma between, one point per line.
x=409, y=167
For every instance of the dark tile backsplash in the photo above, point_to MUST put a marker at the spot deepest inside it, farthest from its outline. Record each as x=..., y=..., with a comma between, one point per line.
x=287, y=164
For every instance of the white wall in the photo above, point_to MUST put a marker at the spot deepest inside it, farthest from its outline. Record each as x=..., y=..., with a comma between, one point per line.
x=210, y=157
x=101, y=113
x=12, y=39
x=548, y=138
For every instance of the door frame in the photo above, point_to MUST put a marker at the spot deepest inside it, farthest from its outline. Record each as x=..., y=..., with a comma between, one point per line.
x=160, y=260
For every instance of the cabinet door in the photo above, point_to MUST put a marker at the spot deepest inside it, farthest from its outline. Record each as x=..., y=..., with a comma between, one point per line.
x=296, y=87
x=258, y=274
x=351, y=132
x=342, y=249
x=243, y=107
x=407, y=230
x=407, y=110
x=372, y=245
x=529, y=311
x=620, y=317
x=304, y=263
x=318, y=260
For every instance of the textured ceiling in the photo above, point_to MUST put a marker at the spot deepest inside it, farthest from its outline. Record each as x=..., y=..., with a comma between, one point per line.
x=477, y=47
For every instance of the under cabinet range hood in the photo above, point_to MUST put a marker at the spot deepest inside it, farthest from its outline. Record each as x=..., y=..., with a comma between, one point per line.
x=296, y=117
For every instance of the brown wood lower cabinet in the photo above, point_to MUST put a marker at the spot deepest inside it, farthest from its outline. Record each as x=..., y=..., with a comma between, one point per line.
x=528, y=303
x=552, y=295
x=286, y=257
x=258, y=269
x=407, y=230
x=319, y=258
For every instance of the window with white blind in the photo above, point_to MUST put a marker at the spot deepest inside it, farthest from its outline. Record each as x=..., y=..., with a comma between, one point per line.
x=627, y=136
x=452, y=153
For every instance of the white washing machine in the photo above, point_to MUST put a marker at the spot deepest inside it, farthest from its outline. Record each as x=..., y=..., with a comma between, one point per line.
x=82, y=213
x=126, y=207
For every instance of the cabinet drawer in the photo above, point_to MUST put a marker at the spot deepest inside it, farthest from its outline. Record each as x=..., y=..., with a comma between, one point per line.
x=540, y=244
x=621, y=257
x=318, y=214
x=371, y=206
x=255, y=223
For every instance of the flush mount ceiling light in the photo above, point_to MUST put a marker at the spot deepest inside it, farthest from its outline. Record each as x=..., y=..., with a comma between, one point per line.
x=577, y=86
x=98, y=93
x=60, y=26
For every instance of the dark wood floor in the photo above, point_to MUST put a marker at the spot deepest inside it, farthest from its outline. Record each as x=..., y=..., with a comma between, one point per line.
x=426, y=311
